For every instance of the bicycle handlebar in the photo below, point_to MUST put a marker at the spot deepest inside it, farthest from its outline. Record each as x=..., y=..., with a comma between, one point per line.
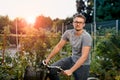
x=52, y=67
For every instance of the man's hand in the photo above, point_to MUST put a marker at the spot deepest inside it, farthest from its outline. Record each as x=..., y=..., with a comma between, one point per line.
x=67, y=72
x=47, y=61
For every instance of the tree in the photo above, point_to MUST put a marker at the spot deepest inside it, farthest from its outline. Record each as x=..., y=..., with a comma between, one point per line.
x=107, y=9
x=85, y=7
x=20, y=24
x=4, y=21
x=43, y=22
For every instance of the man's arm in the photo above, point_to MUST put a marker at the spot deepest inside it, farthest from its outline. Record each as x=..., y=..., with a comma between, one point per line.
x=80, y=61
x=56, y=50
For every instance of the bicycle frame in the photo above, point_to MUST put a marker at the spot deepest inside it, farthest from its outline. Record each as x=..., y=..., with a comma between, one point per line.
x=59, y=69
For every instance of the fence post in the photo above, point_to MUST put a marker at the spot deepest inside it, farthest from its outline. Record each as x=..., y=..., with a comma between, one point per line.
x=94, y=25
x=116, y=27
x=62, y=28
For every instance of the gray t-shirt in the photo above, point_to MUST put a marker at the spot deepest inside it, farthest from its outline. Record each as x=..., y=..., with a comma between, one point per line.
x=77, y=42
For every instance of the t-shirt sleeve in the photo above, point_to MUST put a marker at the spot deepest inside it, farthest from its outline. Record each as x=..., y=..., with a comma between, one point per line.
x=65, y=36
x=87, y=40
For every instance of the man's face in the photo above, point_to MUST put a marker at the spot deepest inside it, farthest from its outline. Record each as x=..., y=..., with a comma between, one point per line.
x=78, y=23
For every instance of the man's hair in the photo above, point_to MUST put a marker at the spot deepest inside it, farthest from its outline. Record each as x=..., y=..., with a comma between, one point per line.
x=79, y=15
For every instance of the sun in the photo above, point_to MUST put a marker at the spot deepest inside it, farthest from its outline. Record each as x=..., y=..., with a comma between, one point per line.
x=30, y=20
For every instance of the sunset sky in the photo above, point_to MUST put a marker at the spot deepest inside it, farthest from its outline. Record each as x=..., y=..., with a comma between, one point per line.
x=29, y=9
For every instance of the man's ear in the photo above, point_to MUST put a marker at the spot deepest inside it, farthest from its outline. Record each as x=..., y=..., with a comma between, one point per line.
x=84, y=25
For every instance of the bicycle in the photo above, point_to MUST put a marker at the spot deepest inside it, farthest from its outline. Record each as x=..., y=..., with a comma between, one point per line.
x=40, y=73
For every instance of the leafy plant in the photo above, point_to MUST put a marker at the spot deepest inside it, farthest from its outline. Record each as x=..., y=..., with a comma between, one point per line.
x=105, y=61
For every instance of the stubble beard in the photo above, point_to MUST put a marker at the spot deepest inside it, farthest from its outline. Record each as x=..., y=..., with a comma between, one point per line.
x=78, y=30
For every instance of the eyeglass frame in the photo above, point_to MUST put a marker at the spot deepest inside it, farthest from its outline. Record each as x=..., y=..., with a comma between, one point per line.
x=77, y=22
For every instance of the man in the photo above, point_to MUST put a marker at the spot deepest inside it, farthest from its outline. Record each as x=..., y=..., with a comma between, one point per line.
x=78, y=63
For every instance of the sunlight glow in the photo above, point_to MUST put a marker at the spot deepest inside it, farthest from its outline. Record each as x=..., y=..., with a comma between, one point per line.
x=30, y=20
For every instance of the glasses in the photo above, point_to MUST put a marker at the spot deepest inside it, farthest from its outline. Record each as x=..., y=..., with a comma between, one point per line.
x=77, y=22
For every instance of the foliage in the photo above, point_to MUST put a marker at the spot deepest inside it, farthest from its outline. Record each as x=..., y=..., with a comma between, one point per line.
x=34, y=47
x=106, y=31
x=4, y=21
x=85, y=8
x=18, y=24
x=40, y=42
x=105, y=61
x=43, y=22
x=57, y=25
x=107, y=9
x=14, y=66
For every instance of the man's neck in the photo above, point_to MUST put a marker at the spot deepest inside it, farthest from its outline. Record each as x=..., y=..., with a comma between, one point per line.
x=79, y=32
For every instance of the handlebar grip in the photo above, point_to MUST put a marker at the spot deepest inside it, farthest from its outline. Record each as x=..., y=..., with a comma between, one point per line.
x=51, y=67
x=44, y=63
